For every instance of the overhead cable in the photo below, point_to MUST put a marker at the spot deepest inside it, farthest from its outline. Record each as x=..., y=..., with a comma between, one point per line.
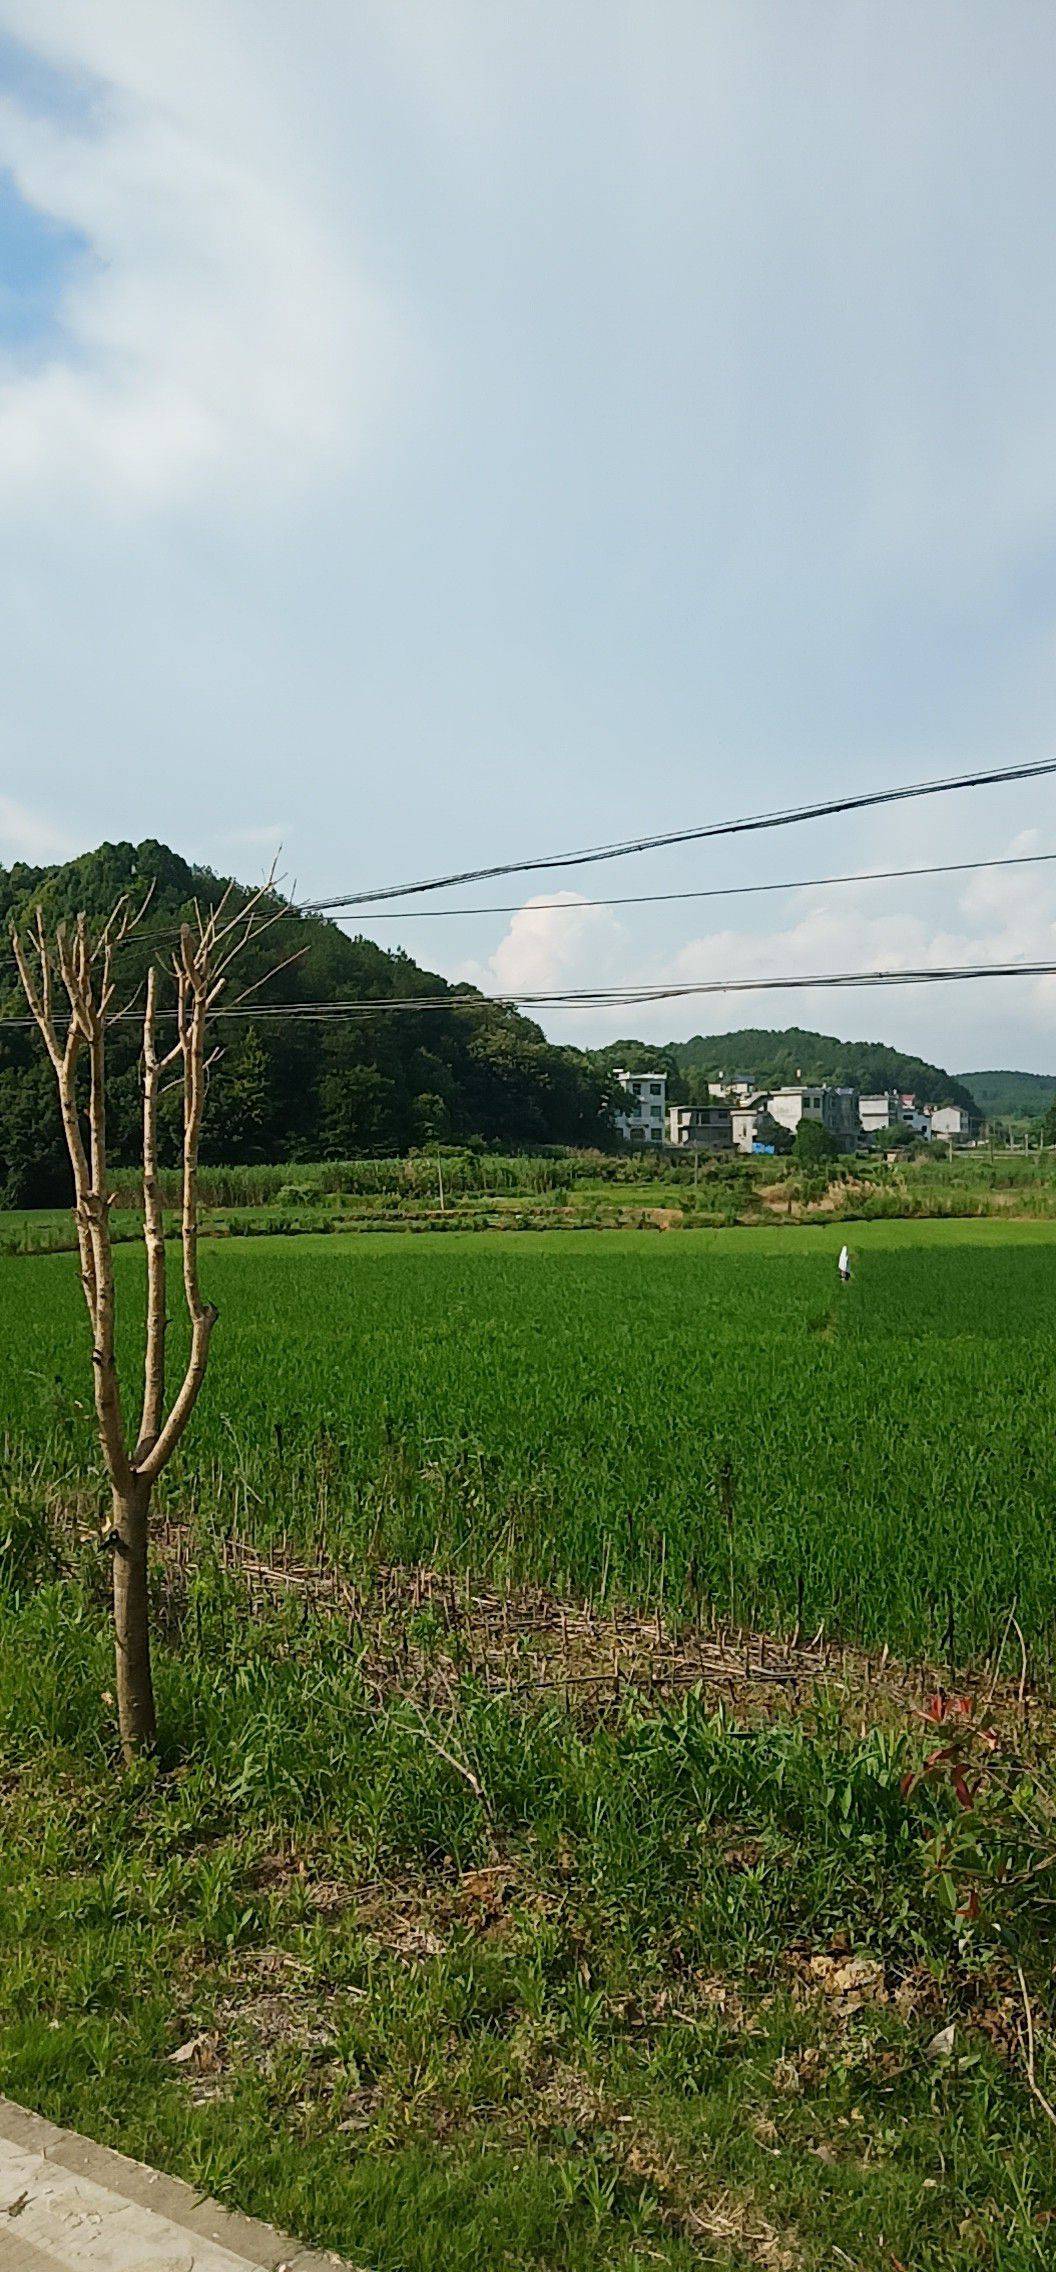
x=329, y=1013
x=622, y=851
x=572, y=906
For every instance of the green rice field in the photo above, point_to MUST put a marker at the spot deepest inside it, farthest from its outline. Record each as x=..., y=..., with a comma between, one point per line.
x=712, y=1421
x=443, y=1977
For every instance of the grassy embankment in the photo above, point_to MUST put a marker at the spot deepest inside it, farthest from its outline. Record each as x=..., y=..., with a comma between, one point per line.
x=574, y=1190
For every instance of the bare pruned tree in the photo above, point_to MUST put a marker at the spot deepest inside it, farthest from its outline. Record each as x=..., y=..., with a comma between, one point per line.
x=68, y=977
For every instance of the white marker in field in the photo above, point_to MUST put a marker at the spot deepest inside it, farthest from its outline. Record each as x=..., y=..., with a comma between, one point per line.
x=844, y=1266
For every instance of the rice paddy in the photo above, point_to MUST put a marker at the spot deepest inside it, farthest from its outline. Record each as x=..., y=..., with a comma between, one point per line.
x=712, y=1422
x=442, y=1973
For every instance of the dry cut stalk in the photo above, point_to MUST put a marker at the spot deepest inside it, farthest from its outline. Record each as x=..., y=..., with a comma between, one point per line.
x=1029, y=2056
x=81, y=964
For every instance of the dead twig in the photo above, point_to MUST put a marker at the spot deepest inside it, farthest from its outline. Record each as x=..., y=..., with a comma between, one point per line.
x=1027, y=2050
x=459, y=1765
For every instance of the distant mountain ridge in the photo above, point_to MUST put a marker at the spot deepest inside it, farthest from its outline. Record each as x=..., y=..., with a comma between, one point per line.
x=1012, y=1096
x=773, y=1056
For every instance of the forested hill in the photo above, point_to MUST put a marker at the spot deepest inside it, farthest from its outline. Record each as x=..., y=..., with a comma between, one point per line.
x=774, y=1056
x=287, y=1091
x=1012, y=1096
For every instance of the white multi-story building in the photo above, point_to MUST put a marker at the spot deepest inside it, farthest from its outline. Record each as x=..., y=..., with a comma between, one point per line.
x=835, y=1109
x=798, y=1101
x=642, y=1120
x=802, y=1100
x=700, y=1127
x=880, y=1112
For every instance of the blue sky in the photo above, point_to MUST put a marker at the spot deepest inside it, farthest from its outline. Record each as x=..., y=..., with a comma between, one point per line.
x=433, y=432
x=36, y=257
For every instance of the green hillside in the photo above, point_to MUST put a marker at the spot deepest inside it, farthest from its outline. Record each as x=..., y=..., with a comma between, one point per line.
x=285, y=1091
x=1012, y=1096
x=773, y=1056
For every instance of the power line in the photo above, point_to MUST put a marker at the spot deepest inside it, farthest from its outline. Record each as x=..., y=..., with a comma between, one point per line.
x=633, y=899
x=622, y=851
x=643, y=899
x=629, y=996
x=715, y=891
x=323, y=1013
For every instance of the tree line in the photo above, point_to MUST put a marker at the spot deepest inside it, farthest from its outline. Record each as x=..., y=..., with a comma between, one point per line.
x=287, y=1091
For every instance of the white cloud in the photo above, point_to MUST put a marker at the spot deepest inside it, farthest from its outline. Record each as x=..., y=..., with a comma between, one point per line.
x=220, y=329
x=543, y=951
x=27, y=835
x=996, y=917
x=268, y=838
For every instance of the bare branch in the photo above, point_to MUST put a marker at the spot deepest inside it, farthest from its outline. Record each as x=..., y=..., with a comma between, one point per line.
x=71, y=965
x=192, y=1011
x=153, y=1237
x=45, y=970
x=131, y=923
x=297, y=956
x=128, y=1005
x=64, y=1063
x=39, y=1000
x=244, y=914
x=216, y=912
x=117, y=920
x=107, y=1391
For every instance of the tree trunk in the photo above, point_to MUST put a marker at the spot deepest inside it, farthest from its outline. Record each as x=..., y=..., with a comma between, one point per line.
x=135, y=1687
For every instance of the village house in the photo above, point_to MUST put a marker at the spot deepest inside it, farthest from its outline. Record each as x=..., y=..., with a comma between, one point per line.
x=798, y=1101
x=954, y=1123
x=880, y=1112
x=917, y=1117
x=700, y=1127
x=733, y=1088
x=835, y=1109
x=844, y=1121
x=642, y=1119
x=754, y=1127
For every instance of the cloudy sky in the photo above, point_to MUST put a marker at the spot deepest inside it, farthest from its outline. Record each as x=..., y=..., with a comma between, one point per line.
x=435, y=432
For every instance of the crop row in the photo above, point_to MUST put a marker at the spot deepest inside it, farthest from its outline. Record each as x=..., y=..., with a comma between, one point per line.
x=715, y=1421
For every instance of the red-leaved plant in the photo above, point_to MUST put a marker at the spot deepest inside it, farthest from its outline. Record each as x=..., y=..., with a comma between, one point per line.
x=962, y=1765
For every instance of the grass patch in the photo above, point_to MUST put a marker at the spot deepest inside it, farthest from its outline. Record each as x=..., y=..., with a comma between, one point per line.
x=660, y=1991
